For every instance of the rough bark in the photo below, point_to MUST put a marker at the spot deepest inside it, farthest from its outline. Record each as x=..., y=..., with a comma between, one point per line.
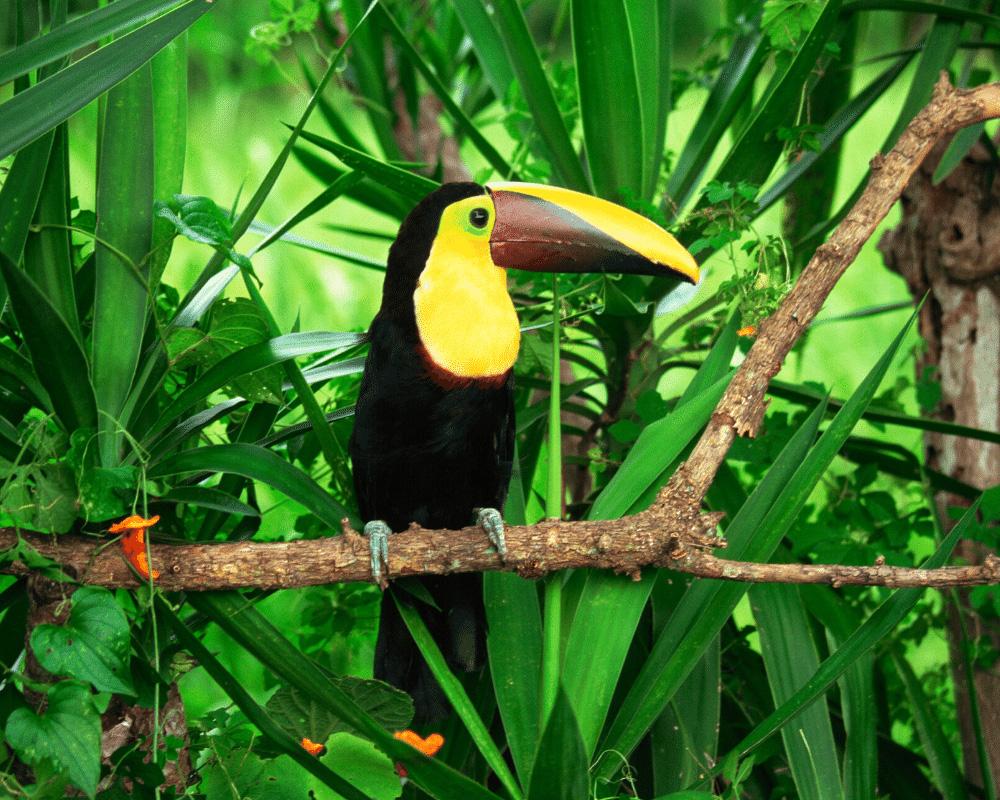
x=947, y=246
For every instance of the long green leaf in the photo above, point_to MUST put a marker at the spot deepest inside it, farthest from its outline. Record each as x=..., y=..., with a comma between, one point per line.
x=946, y=11
x=560, y=765
x=456, y=694
x=461, y=120
x=250, y=359
x=264, y=641
x=667, y=666
x=410, y=185
x=526, y=62
x=66, y=39
x=757, y=148
x=169, y=71
x=834, y=130
x=514, y=644
x=31, y=113
x=790, y=657
x=651, y=23
x=124, y=234
x=874, y=629
x=478, y=24
x=19, y=195
x=731, y=89
x=247, y=216
x=57, y=357
x=857, y=691
x=618, y=148
x=753, y=535
x=47, y=250
x=256, y=713
x=936, y=746
x=259, y=464
x=805, y=394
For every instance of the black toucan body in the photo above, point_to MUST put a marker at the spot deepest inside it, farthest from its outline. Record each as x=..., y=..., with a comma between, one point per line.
x=433, y=439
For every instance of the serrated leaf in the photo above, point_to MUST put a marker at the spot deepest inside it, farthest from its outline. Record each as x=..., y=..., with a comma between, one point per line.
x=67, y=735
x=93, y=645
x=300, y=714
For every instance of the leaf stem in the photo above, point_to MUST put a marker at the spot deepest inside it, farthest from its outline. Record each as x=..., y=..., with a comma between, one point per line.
x=552, y=629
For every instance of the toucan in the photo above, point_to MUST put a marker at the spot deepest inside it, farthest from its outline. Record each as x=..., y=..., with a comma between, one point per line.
x=433, y=438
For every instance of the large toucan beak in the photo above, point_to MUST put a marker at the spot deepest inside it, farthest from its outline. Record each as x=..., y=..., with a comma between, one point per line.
x=549, y=229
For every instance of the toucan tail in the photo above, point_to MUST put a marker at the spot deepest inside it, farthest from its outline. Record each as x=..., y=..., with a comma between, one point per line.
x=457, y=621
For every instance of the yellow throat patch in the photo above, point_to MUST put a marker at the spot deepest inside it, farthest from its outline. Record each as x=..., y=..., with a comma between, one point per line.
x=465, y=317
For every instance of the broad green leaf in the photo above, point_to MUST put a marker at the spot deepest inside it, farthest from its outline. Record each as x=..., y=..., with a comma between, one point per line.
x=86, y=29
x=93, y=645
x=57, y=358
x=67, y=735
x=456, y=694
x=124, y=238
x=19, y=195
x=514, y=644
x=28, y=115
x=561, y=767
x=461, y=120
x=874, y=629
x=259, y=464
x=268, y=645
x=20, y=370
x=410, y=185
x=169, y=70
x=107, y=492
x=790, y=657
x=235, y=690
x=47, y=250
x=300, y=715
x=651, y=23
x=526, y=62
x=937, y=748
x=236, y=326
x=614, y=127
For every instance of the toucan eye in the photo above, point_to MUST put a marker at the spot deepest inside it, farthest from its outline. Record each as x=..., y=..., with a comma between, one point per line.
x=478, y=217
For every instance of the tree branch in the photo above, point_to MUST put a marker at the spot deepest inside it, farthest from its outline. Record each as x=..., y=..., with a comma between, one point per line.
x=672, y=533
x=650, y=538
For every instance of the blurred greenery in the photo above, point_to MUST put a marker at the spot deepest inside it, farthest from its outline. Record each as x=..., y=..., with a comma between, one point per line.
x=250, y=69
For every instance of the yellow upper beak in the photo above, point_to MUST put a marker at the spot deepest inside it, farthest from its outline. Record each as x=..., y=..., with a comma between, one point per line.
x=547, y=228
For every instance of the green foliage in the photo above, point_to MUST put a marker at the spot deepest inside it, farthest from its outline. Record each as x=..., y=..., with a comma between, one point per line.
x=93, y=644
x=129, y=386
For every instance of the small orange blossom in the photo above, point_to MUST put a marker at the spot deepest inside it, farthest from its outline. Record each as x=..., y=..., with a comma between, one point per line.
x=133, y=530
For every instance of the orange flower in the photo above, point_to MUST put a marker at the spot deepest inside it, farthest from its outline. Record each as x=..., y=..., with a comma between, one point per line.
x=312, y=748
x=747, y=330
x=428, y=746
x=133, y=530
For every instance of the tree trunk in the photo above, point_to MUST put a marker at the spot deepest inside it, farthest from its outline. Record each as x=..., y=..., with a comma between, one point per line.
x=948, y=246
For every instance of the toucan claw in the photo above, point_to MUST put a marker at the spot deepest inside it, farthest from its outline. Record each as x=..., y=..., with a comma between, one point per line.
x=378, y=547
x=490, y=520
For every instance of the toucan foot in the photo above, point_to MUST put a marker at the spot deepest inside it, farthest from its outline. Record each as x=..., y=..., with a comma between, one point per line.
x=378, y=546
x=490, y=520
